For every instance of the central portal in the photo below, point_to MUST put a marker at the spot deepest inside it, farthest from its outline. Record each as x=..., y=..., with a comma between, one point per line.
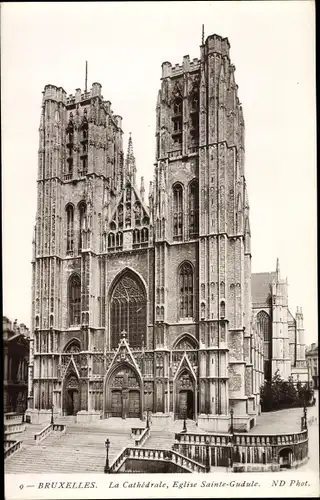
x=123, y=394
x=185, y=404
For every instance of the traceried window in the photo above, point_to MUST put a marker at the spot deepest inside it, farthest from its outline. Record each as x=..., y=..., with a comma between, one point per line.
x=177, y=212
x=193, y=209
x=74, y=299
x=186, y=290
x=177, y=121
x=194, y=117
x=128, y=310
x=263, y=325
x=264, y=330
x=82, y=222
x=70, y=139
x=70, y=229
x=73, y=346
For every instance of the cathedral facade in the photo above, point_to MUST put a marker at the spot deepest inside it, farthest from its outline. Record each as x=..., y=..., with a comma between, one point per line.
x=145, y=304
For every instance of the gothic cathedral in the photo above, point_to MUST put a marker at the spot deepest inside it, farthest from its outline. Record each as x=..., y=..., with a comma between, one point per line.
x=145, y=304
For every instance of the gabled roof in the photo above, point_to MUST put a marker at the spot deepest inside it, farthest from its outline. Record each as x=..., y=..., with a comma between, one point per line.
x=290, y=317
x=261, y=288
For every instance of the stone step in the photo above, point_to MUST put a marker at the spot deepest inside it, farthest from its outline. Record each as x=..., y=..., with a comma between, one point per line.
x=75, y=451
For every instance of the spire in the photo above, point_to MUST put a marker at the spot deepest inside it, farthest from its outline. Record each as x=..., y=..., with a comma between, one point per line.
x=131, y=170
x=86, y=78
x=278, y=269
x=202, y=40
x=142, y=190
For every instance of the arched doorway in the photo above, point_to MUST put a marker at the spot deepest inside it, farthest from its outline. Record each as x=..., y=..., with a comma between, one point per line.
x=123, y=394
x=285, y=458
x=71, y=395
x=185, y=396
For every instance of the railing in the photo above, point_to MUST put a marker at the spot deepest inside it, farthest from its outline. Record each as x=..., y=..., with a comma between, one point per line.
x=59, y=427
x=39, y=436
x=13, y=416
x=137, y=431
x=143, y=437
x=242, y=439
x=68, y=177
x=13, y=428
x=271, y=439
x=156, y=455
x=11, y=448
x=204, y=439
x=174, y=154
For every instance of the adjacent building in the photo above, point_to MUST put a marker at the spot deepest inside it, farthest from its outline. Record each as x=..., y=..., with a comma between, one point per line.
x=15, y=371
x=312, y=357
x=282, y=333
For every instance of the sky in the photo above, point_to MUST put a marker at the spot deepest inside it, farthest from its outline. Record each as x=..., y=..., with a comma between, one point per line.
x=125, y=43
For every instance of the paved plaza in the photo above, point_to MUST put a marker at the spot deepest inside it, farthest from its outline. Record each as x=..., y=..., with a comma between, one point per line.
x=290, y=421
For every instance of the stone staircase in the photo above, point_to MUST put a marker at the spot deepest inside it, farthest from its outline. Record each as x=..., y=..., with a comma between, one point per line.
x=164, y=437
x=80, y=449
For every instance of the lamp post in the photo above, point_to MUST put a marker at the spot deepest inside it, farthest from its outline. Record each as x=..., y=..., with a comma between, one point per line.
x=106, y=467
x=148, y=422
x=185, y=422
x=207, y=458
x=231, y=423
x=305, y=413
x=52, y=422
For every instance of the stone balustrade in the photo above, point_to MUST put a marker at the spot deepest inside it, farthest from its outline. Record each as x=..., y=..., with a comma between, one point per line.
x=11, y=447
x=143, y=437
x=175, y=154
x=204, y=439
x=241, y=448
x=13, y=416
x=13, y=427
x=39, y=436
x=59, y=427
x=137, y=431
x=156, y=455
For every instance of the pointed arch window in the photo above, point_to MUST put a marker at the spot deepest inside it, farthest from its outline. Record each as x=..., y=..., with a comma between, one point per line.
x=70, y=139
x=186, y=290
x=74, y=299
x=128, y=311
x=82, y=223
x=193, y=209
x=177, y=212
x=111, y=241
x=194, y=116
x=177, y=120
x=70, y=229
x=264, y=330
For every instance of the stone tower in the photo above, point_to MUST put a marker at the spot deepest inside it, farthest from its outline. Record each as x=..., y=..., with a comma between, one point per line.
x=201, y=214
x=142, y=307
x=280, y=335
x=80, y=173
